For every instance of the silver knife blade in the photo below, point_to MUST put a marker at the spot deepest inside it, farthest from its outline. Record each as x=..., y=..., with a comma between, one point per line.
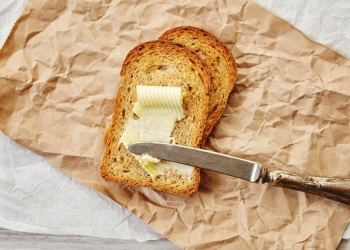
x=225, y=164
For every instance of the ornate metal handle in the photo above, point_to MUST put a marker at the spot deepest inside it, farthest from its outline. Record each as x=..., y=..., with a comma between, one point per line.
x=332, y=188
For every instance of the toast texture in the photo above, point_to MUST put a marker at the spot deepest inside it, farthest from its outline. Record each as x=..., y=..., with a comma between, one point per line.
x=158, y=63
x=220, y=62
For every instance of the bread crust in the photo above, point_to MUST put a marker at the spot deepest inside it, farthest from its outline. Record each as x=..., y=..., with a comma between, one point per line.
x=220, y=62
x=158, y=63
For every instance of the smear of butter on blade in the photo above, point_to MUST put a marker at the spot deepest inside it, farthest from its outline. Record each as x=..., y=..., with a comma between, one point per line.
x=158, y=108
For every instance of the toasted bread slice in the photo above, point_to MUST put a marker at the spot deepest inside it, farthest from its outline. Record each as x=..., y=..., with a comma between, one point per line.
x=158, y=63
x=220, y=62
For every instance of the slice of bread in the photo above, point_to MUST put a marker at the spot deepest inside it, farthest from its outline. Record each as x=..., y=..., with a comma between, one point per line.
x=220, y=62
x=158, y=63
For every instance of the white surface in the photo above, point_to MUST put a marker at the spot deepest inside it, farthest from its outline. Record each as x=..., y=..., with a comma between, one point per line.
x=16, y=240
x=36, y=197
x=326, y=22
x=346, y=234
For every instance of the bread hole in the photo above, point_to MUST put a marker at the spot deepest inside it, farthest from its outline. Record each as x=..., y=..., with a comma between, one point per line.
x=189, y=88
x=200, y=53
x=213, y=87
x=165, y=68
x=201, y=78
x=128, y=89
x=121, y=159
x=134, y=116
x=214, y=108
x=219, y=63
x=123, y=113
x=150, y=69
x=125, y=171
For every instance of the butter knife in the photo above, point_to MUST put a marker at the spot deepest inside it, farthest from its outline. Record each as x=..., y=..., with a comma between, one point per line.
x=332, y=188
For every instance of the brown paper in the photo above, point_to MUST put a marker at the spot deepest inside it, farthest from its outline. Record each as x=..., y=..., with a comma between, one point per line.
x=59, y=73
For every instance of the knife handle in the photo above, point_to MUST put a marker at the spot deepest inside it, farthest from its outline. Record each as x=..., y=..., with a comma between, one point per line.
x=332, y=188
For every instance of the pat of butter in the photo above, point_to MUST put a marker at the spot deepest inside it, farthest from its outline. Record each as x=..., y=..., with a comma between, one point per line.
x=158, y=109
x=148, y=163
x=159, y=99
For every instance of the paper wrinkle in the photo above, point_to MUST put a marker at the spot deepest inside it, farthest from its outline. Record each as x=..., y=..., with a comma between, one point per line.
x=36, y=197
x=289, y=111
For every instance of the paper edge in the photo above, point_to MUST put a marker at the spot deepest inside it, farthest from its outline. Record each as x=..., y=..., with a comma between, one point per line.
x=6, y=31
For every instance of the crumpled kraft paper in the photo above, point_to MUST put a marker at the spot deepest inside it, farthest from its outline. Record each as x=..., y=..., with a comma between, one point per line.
x=59, y=72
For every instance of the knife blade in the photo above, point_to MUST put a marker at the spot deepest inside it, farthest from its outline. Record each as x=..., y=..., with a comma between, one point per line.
x=225, y=164
x=337, y=189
